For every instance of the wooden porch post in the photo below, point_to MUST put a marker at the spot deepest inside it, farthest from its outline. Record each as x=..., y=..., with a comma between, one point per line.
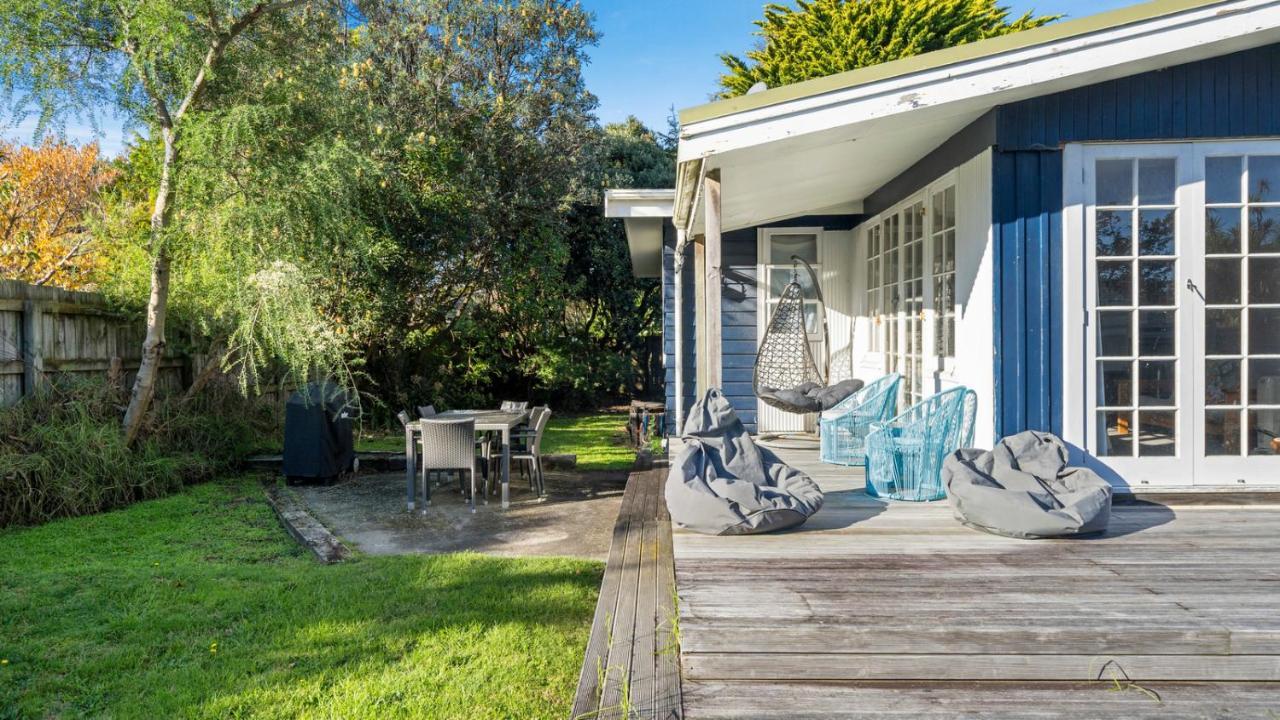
x=713, y=283
x=699, y=316
x=677, y=263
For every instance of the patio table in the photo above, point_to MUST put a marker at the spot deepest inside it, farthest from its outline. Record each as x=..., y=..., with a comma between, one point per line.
x=486, y=421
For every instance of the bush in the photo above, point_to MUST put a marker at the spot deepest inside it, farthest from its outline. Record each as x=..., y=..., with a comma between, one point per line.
x=62, y=452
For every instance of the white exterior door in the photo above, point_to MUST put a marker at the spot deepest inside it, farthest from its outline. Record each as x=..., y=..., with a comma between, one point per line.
x=1176, y=337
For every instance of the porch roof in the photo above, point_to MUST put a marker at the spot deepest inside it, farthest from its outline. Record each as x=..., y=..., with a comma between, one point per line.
x=825, y=145
x=643, y=211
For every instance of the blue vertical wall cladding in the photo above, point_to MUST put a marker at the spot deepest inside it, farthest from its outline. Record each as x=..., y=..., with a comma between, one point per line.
x=669, y=326
x=1227, y=96
x=738, y=321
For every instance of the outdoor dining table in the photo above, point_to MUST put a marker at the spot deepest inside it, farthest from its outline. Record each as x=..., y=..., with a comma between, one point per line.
x=497, y=421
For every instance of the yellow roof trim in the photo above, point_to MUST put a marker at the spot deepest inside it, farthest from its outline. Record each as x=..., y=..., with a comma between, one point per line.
x=940, y=58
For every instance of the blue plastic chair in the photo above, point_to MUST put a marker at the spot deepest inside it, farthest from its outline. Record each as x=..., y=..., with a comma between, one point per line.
x=843, y=429
x=905, y=454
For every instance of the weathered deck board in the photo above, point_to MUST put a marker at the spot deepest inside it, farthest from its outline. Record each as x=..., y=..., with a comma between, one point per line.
x=631, y=667
x=896, y=610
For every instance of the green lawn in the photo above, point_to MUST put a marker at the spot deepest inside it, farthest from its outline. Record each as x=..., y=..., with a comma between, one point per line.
x=199, y=606
x=599, y=441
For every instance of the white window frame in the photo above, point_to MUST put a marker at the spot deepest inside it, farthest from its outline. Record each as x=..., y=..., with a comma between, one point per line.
x=937, y=371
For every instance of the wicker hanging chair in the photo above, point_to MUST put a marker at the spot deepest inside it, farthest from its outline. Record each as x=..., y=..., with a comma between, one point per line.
x=785, y=365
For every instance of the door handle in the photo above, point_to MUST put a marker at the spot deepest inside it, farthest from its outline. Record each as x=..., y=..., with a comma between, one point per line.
x=1191, y=285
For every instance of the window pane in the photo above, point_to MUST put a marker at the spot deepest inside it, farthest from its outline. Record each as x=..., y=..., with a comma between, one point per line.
x=1222, y=432
x=782, y=247
x=1222, y=179
x=1264, y=429
x=1155, y=332
x=1156, y=382
x=1117, y=383
x=1115, y=233
x=1264, y=331
x=1115, y=182
x=1264, y=178
x=938, y=247
x=1222, y=230
x=1157, y=433
x=939, y=201
x=1264, y=230
x=1264, y=382
x=1222, y=281
x=949, y=244
x=1156, y=181
x=1115, y=283
x=1115, y=437
x=1155, y=282
x=1264, y=280
x=949, y=213
x=1155, y=232
x=1222, y=331
x=1222, y=382
x=1115, y=333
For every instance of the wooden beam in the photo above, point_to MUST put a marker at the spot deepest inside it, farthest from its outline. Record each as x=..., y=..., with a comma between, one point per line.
x=714, y=279
x=32, y=347
x=677, y=264
x=699, y=316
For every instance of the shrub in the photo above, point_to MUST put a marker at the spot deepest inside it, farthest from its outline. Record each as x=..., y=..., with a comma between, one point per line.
x=62, y=452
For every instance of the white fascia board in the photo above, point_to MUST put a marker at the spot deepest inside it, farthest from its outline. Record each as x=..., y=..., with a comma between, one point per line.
x=647, y=203
x=999, y=79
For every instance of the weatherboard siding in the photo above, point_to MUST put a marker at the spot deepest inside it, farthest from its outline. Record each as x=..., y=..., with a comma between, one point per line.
x=669, y=326
x=1228, y=96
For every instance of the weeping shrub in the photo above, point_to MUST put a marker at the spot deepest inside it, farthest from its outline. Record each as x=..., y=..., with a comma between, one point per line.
x=62, y=453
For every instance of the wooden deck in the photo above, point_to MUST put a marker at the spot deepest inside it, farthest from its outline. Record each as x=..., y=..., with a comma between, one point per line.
x=878, y=610
x=632, y=664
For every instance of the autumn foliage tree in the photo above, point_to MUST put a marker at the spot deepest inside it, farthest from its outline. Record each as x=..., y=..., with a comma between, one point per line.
x=47, y=195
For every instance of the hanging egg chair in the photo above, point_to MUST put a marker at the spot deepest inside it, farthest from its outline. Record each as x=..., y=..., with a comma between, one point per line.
x=787, y=376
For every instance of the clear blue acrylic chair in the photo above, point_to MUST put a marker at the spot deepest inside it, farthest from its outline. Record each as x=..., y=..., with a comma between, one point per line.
x=905, y=454
x=843, y=429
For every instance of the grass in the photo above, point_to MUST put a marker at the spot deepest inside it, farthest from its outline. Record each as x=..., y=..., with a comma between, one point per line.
x=599, y=441
x=199, y=606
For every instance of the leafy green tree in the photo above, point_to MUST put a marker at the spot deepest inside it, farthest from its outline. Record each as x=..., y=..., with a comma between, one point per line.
x=824, y=37
x=174, y=65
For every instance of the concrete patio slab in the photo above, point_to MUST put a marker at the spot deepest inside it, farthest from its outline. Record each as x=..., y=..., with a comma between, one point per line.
x=575, y=520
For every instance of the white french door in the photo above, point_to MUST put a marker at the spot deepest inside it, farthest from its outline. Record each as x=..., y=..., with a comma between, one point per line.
x=1179, y=319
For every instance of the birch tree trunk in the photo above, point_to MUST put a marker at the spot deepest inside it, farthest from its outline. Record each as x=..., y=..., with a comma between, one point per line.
x=144, y=386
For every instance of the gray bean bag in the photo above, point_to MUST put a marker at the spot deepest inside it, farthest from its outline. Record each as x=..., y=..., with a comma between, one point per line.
x=721, y=483
x=1024, y=489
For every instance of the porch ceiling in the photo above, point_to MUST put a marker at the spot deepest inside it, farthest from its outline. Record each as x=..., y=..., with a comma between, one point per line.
x=825, y=173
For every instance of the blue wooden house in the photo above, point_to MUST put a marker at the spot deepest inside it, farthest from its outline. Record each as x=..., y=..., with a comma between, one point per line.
x=1081, y=222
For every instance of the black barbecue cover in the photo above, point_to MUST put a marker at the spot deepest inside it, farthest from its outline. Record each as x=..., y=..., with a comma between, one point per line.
x=318, y=442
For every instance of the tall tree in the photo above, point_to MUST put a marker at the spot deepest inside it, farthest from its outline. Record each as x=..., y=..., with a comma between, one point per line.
x=47, y=194
x=154, y=60
x=824, y=37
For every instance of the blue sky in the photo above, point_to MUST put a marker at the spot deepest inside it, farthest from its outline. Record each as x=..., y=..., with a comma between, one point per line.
x=653, y=54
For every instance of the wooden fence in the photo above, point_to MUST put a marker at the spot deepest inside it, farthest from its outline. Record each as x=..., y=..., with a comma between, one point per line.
x=46, y=333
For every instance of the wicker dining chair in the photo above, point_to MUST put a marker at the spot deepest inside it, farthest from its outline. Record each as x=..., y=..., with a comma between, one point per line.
x=514, y=406
x=449, y=445
x=426, y=411
x=529, y=448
